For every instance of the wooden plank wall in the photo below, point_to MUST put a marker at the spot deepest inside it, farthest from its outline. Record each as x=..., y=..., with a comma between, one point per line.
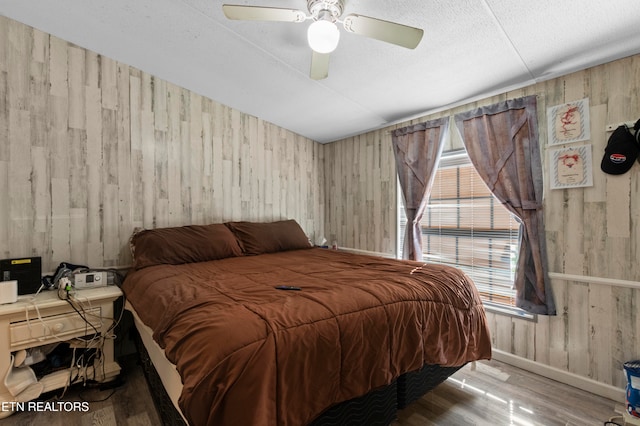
x=91, y=148
x=359, y=175
x=591, y=232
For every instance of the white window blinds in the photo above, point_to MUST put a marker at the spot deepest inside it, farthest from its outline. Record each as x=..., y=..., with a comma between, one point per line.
x=465, y=226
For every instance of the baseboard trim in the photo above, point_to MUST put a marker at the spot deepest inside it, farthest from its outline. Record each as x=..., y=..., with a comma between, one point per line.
x=568, y=378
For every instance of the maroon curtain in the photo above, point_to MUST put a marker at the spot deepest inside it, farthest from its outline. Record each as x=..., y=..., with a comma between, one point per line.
x=417, y=150
x=502, y=143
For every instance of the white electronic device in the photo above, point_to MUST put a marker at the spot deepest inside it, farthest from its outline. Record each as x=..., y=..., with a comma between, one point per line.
x=90, y=280
x=8, y=291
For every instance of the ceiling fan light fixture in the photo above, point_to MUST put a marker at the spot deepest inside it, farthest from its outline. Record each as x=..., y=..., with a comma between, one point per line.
x=323, y=36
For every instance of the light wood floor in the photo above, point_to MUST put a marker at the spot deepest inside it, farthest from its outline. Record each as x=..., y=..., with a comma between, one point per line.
x=128, y=405
x=499, y=394
x=493, y=394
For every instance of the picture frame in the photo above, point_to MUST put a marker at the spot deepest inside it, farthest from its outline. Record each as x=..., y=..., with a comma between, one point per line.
x=571, y=167
x=568, y=122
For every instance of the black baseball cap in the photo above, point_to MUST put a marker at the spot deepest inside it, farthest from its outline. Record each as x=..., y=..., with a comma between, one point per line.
x=621, y=152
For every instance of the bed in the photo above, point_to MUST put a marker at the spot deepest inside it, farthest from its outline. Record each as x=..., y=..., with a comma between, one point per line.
x=349, y=332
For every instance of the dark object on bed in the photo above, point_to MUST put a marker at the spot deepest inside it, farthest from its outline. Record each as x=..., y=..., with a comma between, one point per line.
x=249, y=354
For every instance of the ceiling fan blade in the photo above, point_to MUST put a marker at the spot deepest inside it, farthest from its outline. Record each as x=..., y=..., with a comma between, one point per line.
x=391, y=32
x=319, y=65
x=258, y=13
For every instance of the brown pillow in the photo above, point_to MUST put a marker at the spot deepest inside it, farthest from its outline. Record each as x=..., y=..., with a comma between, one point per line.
x=258, y=238
x=185, y=244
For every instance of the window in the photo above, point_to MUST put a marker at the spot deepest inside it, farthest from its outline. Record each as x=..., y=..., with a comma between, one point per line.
x=465, y=226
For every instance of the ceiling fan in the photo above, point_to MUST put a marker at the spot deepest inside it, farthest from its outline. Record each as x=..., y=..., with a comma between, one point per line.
x=323, y=34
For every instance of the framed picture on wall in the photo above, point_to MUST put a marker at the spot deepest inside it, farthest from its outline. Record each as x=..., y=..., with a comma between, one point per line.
x=571, y=167
x=568, y=122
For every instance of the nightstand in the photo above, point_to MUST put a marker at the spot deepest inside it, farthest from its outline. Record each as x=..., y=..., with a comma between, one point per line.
x=44, y=319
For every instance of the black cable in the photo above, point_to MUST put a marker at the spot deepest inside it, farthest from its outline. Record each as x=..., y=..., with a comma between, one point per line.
x=81, y=315
x=82, y=397
x=85, y=358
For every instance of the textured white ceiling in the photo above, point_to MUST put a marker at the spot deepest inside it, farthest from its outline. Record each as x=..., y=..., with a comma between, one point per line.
x=470, y=49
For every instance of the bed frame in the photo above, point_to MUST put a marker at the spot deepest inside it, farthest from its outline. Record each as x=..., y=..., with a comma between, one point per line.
x=376, y=408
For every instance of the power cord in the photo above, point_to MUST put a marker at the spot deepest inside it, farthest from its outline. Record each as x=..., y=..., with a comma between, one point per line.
x=93, y=347
x=65, y=289
x=81, y=314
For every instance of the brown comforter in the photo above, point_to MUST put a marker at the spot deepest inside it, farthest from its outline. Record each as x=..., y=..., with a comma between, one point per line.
x=250, y=354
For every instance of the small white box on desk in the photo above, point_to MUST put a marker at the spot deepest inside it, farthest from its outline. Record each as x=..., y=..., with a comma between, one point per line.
x=8, y=291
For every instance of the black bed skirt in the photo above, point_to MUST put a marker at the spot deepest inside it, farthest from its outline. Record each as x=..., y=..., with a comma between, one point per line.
x=412, y=386
x=377, y=408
